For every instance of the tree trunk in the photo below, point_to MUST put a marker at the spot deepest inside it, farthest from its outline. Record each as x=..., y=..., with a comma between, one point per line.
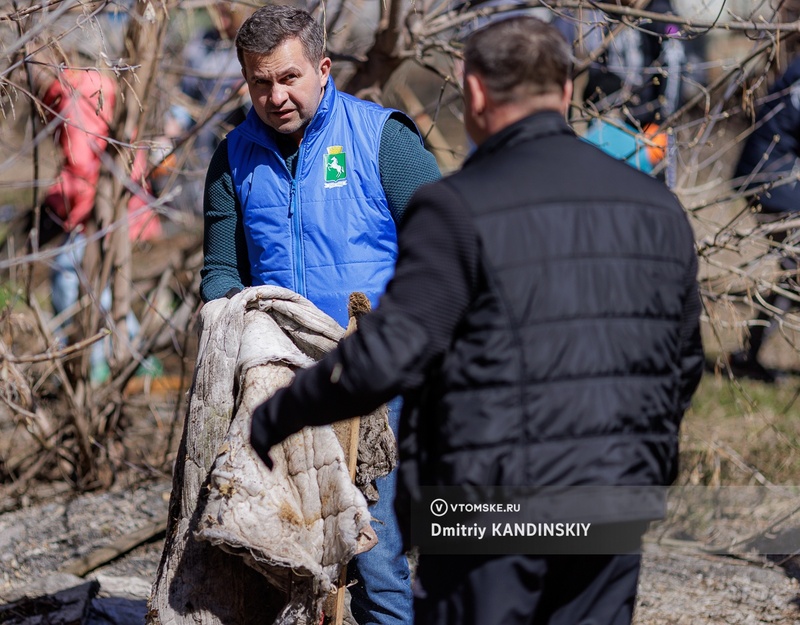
x=384, y=57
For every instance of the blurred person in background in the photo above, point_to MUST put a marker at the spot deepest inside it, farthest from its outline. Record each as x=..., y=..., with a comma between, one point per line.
x=213, y=100
x=636, y=81
x=211, y=75
x=767, y=171
x=81, y=98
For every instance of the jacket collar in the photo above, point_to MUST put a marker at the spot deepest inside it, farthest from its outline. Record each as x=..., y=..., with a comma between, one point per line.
x=536, y=126
x=324, y=111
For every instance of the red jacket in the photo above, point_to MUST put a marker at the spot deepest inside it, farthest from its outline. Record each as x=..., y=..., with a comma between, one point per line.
x=85, y=101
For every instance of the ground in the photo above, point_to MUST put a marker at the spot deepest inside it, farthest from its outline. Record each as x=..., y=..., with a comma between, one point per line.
x=680, y=587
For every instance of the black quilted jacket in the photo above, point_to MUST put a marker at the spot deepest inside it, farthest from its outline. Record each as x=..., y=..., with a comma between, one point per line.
x=542, y=325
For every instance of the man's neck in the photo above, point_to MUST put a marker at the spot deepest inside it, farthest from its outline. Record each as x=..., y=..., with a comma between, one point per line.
x=508, y=114
x=287, y=144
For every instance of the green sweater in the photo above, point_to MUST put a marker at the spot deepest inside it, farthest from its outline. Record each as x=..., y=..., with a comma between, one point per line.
x=404, y=166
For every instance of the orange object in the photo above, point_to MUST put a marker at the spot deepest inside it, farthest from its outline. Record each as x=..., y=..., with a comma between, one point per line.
x=656, y=143
x=166, y=166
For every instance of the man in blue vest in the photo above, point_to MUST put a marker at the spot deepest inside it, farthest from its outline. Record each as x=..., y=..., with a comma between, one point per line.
x=307, y=194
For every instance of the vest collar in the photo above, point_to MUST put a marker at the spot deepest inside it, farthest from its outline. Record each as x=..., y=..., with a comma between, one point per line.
x=536, y=126
x=324, y=111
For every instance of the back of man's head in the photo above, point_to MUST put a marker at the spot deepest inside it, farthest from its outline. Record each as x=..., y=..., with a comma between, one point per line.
x=271, y=25
x=519, y=57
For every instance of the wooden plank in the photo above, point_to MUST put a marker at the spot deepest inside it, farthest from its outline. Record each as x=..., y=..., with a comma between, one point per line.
x=359, y=305
x=117, y=548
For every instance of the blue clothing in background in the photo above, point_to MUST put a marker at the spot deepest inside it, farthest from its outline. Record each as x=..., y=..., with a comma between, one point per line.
x=619, y=143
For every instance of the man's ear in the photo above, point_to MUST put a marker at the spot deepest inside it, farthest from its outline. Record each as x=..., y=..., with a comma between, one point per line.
x=566, y=97
x=477, y=95
x=476, y=113
x=324, y=70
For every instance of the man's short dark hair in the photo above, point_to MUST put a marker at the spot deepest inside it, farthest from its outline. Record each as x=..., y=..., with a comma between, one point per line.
x=271, y=25
x=518, y=57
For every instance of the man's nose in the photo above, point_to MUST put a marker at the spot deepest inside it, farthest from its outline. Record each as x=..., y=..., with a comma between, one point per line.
x=277, y=95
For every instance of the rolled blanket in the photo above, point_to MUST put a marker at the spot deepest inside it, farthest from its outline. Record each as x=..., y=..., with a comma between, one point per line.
x=296, y=525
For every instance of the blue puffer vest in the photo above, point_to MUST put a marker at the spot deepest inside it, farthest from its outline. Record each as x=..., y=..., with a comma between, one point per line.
x=328, y=231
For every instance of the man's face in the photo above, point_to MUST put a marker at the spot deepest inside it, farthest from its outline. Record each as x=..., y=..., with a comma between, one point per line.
x=285, y=87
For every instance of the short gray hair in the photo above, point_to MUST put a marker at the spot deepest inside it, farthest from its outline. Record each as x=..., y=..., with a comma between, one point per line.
x=271, y=25
x=518, y=57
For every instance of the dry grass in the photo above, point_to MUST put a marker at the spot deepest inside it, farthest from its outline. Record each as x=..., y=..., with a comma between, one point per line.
x=742, y=432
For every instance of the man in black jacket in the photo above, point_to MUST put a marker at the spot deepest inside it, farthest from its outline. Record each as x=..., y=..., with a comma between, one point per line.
x=543, y=328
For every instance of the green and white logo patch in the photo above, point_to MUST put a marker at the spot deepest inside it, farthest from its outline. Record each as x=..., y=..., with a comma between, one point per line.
x=335, y=167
